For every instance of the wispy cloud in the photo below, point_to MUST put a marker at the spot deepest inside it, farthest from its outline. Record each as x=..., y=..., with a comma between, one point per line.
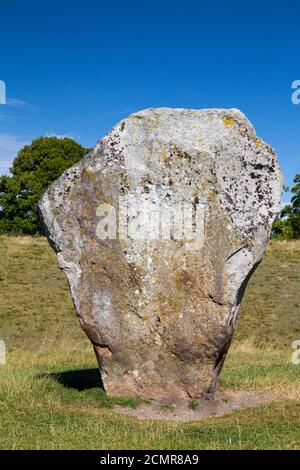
x=69, y=135
x=16, y=103
x=9, y=147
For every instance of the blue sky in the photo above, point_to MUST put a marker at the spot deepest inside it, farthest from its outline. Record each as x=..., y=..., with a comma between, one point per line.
x=77, y=67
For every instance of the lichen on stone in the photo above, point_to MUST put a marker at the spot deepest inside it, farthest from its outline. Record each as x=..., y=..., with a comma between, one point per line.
x=160, y=312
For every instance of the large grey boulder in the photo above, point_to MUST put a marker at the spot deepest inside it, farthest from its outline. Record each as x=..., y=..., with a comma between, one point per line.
x=158, y=231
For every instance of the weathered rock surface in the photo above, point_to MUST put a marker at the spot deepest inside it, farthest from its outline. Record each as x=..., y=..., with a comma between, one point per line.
x=158, y=231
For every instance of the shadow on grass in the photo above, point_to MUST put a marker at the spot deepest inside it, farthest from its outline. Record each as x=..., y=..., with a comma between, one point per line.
x=82, y=379
x=89, y=383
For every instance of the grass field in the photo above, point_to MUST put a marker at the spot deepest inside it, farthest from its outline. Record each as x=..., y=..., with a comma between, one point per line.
x=49, y=394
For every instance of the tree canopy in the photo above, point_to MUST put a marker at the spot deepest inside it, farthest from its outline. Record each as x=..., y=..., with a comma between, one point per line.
x=34, y=169
x=287, y=225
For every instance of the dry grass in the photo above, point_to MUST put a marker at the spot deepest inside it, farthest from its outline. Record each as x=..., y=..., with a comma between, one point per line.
x=271, y=306
x=35, y=299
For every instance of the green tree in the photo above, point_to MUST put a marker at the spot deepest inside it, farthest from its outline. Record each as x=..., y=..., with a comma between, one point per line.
x=287, y=225
x=34, y=169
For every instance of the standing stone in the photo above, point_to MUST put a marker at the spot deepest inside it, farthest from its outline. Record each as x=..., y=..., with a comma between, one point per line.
x=158, y=231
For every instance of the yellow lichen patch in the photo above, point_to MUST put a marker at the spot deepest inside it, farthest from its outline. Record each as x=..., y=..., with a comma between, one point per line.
x=228, y=121
x=108, y=201
x=164, y=152
x=212, y=196
x=90, y=174
x=258, y=142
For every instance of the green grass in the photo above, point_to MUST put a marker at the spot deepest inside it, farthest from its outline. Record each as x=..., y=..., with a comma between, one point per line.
x=193, y=404
x=49, y=388
x=41, y=406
